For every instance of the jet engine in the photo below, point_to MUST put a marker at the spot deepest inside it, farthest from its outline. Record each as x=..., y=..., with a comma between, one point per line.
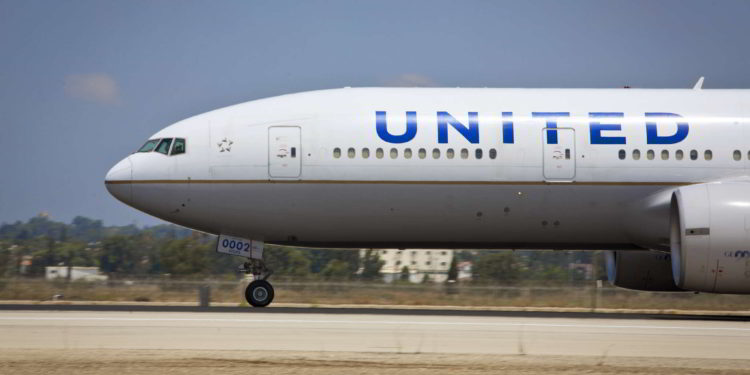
x=710, y=237
x=641, y=270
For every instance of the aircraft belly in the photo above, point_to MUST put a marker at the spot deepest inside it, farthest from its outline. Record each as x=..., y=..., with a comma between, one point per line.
x=410, y=214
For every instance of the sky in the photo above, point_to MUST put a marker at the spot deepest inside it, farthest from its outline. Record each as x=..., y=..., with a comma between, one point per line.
x=84, y=83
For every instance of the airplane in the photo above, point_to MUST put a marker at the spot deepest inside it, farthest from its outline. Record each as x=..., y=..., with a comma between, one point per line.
x=657, y=177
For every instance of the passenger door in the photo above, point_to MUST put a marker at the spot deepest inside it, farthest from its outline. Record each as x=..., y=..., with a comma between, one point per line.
x=559, y=149
x=284, y=152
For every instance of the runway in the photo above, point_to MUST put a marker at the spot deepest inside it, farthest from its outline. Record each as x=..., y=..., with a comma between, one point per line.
x=718, y=343
x=374, y=333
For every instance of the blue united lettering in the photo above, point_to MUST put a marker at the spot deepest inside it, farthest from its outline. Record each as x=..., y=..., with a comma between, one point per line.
x=603, y=127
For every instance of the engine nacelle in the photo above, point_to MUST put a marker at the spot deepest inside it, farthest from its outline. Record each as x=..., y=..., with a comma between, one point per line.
x=710, y=237
x=641, y=270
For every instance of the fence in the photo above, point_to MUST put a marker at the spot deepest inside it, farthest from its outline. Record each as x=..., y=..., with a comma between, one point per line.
x=160, y=290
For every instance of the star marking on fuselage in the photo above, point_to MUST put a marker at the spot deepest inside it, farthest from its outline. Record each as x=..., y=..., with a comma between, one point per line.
x=225, y=145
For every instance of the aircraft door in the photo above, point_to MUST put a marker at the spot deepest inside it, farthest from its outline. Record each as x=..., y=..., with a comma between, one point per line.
x=559, y=154
x=284, y=152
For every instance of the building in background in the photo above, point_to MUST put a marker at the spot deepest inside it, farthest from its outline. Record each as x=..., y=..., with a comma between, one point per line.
x=420, y=263
x=464, y=270
x=76, y=273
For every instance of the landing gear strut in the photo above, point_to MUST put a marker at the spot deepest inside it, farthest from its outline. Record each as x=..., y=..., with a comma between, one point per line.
x=259, y=293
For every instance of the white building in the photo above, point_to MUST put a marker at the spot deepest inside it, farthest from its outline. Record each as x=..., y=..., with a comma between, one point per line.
x=434, y=264
x=465, y=270
x=76, y=273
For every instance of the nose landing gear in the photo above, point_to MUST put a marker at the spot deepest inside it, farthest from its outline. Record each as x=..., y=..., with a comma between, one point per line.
x=259, y=293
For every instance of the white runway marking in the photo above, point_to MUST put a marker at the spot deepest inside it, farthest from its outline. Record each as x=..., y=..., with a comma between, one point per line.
x=374, y=322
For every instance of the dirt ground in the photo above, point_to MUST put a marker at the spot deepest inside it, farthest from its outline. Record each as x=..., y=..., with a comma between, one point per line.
x=124, y=362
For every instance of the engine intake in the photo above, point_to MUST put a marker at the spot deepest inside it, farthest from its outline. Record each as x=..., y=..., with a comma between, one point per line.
x=710, y=237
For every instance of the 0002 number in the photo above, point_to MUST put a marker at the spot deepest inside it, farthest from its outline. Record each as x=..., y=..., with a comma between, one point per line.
x=237, y=245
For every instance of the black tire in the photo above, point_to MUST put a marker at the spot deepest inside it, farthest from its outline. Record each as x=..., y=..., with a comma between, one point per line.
x=259, y=293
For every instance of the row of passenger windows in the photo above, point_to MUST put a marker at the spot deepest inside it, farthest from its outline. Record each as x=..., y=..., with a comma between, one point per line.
x=678, y=154
x=463, y=153
x=664, y=154
x=164, y=146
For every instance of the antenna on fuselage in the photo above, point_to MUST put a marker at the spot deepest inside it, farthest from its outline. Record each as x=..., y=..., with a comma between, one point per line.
x=698, y=85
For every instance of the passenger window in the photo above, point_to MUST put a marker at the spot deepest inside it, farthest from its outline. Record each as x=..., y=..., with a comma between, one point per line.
x=336, y=152
x=394, y=153
x=351, y=153
x=365, y=153
x=650, y=154
x=450, y=153
x=407, y=153
x=621, y=154
x=493, y=153
x=664, y=154
x=436, y=153
x=678, y=154
x=708, y=155
x=379, y=153
x=422, y=153
x=737, y=155
x=693, y=155
x=163, y=146
x=148, y=146
x=179, y=147
x=464, y=153
x=478, y=153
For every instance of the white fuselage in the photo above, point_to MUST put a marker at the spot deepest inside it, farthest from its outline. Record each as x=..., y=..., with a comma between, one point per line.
x=557, y=168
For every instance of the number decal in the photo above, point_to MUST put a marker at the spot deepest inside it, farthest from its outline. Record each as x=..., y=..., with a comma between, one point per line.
x=236, y=246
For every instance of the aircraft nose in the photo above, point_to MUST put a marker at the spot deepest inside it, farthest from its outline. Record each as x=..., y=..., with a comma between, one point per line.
x=118, y=181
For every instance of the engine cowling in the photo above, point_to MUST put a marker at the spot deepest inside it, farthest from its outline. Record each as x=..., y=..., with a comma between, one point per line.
x=641, y=270
x=710, y=237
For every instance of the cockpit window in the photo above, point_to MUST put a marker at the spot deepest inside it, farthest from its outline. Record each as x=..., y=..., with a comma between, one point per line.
x=149, y=145
x=179, y=146
x=163, y=146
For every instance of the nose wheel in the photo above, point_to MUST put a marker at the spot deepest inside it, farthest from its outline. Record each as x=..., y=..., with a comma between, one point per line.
x=259, y=293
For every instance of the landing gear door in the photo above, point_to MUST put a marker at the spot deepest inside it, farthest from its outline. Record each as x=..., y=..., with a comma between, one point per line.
x=559, y=149
x=284, y=152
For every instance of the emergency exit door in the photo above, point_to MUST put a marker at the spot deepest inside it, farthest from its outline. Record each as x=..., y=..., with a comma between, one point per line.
x=284, y=154
x=559, y=149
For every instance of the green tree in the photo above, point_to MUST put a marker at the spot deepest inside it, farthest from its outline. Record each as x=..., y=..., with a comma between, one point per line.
x=184, y=257
x=298, y=264
x=497, y=267
x=453, y=270
x=336, y=269
x=405, y=273
x=6, y=261
x=371, y=265
x=287, y=261
x=320, y=258
x=120, y=255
